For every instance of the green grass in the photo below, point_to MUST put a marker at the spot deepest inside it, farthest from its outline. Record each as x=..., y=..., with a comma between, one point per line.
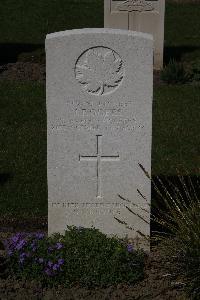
x=182, y=29
x=25, y=23
x=176, y=130
x=23, y=185
x=28, y=21
x=23, y=182
x=182, y=25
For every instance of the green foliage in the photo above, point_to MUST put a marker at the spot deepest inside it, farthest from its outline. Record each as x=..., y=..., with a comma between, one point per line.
x=175, y=73
x=37, y=56
x=195, y=70
x=28, y=21
x=192, y=63
x=182, y=25
x=84, y=256
x=182, y=222
x=176, y=129
x=23, y=149
x=179, y=238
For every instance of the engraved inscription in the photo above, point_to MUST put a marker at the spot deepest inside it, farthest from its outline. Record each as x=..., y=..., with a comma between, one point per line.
x=86, y=115
x=99, y=70
x=99, y=158
x=97, y=208
x=135, y=5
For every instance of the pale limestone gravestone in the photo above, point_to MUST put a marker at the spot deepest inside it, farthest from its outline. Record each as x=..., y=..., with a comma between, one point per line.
x=99, y=111
x=139, y=15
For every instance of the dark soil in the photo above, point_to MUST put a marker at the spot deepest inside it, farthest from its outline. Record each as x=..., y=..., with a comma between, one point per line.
x=33, y=71
x=160, y=282
x=23, y=71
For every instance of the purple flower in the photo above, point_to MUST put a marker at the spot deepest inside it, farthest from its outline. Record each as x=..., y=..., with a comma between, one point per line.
x=61, y=261
x=10, y=252
x=41, y=260
x=5, y=243
x=14, y=239
x=56, y=267
x=28, y=254
x=48, y=272
x=50, y=264
x=50, y=249
x=21, y=244
x=33, y=246
x=21, y=260
x=23, y=254
x=39, y=235
x=22, y=257
x=59, y=246
x=130, y=248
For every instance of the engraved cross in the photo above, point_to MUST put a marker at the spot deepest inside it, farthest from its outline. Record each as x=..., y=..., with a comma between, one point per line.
x=99, y=158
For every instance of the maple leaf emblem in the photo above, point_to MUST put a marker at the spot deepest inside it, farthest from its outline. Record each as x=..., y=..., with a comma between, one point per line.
x=101, y=71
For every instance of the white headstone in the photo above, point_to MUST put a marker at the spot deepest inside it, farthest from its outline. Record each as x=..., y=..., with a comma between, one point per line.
x=139, y=15
x=99, y=112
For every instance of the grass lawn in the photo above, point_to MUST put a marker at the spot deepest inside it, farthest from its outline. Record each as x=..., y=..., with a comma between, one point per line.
x=23, y=181
x=23, y=148
x=25, y=23
x=28, y=21
x=176, y=133
x=182, y=27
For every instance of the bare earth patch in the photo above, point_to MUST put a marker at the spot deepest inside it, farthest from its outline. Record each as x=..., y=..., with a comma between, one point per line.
x=23, y=71
x=29, y=71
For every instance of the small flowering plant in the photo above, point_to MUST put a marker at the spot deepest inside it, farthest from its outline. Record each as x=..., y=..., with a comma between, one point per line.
x=83, y=255
x=34, y=255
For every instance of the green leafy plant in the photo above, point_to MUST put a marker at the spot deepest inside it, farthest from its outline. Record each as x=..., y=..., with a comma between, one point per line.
x=191, y=61
x=194, y=69
x=83, y=255
x=182, y=223
x=175, y=73
x=179, y=238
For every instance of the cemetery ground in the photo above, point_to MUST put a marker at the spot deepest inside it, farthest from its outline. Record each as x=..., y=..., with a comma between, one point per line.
x=23, y=186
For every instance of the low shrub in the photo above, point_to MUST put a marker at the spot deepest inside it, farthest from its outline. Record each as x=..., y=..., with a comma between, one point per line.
x=182, y=223
x=194, y=69
x=179, y=238
x=83, y=256
x=175, y=73
x=191, y=61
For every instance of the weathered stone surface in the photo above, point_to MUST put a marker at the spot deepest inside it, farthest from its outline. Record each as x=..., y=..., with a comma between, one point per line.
x=139, y=15
x=99, y=112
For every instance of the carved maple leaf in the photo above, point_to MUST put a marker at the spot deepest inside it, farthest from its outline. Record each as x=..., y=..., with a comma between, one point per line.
x=135, y=5
x=100, y=70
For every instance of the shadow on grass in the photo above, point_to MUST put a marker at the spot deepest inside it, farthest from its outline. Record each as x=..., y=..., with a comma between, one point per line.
x=10, y=52
x=177, y=53
x=5, y=177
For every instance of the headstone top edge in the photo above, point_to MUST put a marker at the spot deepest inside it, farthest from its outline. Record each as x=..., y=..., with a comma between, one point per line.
x=66, y=33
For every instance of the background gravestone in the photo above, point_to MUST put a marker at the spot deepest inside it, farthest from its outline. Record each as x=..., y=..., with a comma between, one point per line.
x=139, y=15
x=99, y=113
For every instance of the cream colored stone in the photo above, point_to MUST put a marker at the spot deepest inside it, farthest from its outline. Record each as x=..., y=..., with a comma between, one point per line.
x=139, y=15
x=99, y=120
